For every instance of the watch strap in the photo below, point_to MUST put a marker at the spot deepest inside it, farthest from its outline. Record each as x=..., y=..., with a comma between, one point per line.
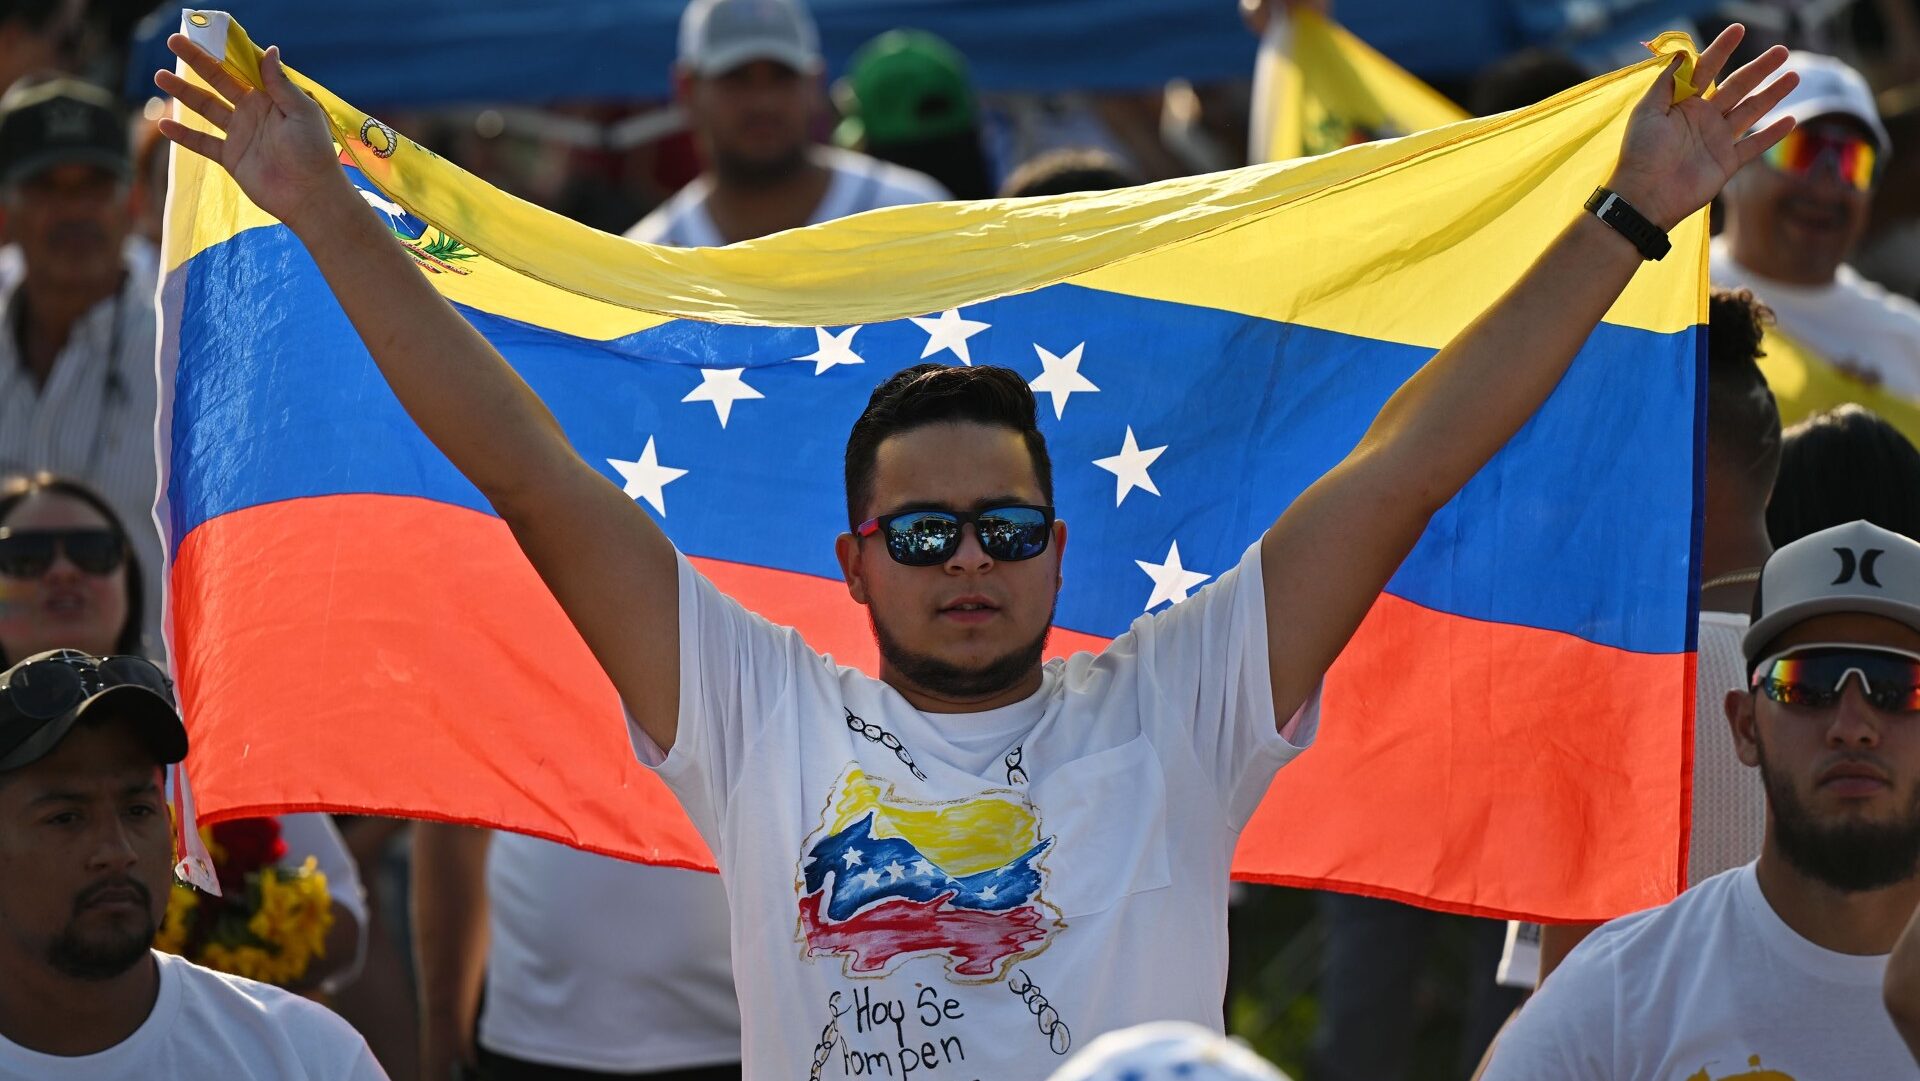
x=1620, y=215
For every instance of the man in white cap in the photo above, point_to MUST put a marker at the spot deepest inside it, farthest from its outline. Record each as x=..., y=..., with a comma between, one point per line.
x=1792, y=225
x=1774, y=969
x=749, y=78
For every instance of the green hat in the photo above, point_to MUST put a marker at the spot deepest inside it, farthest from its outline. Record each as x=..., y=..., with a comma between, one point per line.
x=902, y=87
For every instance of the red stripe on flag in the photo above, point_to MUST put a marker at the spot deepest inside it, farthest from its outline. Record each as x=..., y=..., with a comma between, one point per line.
x=365, y=654
x=1500, y=797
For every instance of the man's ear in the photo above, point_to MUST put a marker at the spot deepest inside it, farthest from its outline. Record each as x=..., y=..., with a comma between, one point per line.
x=1742, y=718
x=846, y=549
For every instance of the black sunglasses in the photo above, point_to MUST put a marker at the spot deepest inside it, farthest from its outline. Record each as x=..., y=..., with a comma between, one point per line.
x=29, y=553
x=925, y=538
x=47, y=689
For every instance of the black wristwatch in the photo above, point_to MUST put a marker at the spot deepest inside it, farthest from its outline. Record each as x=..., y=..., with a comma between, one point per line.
x=1609, y=207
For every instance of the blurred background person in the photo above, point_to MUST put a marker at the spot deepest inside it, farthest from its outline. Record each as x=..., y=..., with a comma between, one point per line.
x=906, y=99
x=69, y=579
x=749, y=77
x=1058, y=172
x=1794, y=218
x=77, y=385
x=36, y=35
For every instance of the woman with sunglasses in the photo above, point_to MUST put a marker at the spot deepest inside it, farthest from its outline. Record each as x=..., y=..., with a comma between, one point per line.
x=70, y=580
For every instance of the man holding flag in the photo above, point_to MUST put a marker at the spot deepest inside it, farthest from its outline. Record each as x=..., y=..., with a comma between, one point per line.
x=989, y=859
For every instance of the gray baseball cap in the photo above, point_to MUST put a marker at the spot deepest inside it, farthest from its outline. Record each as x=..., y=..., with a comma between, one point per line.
x=1828, y=87
x=717, y=36
x=1857, y=567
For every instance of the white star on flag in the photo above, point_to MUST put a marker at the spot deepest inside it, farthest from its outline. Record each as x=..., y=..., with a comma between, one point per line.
x=869, y=878
x=923, y=868
x=1061, y=377
x=722, y=387
x=646, y=477
x=896, y=872
x=1129, y=468
x=832, y=349
x=1171, y=581
x=949, y=332
x=852, y=857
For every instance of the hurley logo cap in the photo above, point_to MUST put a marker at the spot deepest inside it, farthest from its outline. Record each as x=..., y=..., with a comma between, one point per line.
x=717, y=36
x=1857, y=567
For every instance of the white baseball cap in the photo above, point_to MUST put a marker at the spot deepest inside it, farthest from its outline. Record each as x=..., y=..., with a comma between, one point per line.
x=1828, y=87
x=717, y=36
x=1857, y=567
x=1166, y=1051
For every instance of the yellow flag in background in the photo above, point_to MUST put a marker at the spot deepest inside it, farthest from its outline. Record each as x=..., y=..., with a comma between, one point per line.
x=1318, y=88
x=1805, y=384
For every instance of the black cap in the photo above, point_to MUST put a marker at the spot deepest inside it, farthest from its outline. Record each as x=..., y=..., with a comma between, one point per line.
x=60, y=121
x=25, y=740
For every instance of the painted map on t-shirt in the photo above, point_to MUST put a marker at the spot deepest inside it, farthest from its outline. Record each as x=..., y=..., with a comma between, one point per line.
x=885, y=878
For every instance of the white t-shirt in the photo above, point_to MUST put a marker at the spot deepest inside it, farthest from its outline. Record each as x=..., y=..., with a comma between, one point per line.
x=599, y=964
x=1712, y=985
x=859, y=183
x=974, y=895
x=207, y=1024
x=1852, y=322
x=1729, y=800
x=315, y=835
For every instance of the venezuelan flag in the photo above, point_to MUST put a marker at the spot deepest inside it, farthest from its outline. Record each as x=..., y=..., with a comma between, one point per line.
x=1317, y=88
x=355, y=630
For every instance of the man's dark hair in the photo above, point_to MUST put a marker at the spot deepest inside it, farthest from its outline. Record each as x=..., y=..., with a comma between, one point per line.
x=1841, y=466
x=1743, y=421
x=15, y=489
x=1058, y=172
x=930, y=394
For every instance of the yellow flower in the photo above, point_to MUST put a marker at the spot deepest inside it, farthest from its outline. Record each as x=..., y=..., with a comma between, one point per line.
x=181, y=902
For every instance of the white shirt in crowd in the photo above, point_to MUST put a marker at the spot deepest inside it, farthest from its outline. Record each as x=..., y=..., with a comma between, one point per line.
x=859, y=183
x=94, y=418
x=965, y=896
x=1729, y=801
x=1852, y=322
x=1709, y=987
x=599, y=964
x=315, y=835
x=207, y=1024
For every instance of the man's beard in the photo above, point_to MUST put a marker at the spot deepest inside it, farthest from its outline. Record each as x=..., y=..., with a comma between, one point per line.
x=1849, y=856
x=105, y=956
x=744, y=172
x=951, y=681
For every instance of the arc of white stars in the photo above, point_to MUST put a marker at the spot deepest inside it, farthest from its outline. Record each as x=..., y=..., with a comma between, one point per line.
x=1060, y=376
x=832, y=349
x=1171, y=581
x=949, y=332
x=722, y=387
x=1129, y=467
x=645, y=478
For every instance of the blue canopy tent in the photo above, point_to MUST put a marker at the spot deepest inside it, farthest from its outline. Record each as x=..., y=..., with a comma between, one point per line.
x=418, y=53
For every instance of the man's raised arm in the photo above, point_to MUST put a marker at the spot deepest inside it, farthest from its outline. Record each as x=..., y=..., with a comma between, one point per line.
x=1328, y=557
x=610, y=566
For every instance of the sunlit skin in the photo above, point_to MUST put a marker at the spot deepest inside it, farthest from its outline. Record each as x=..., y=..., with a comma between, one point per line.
x=1847, y=762
x=1797, y=229
x=65, y=608
x=86, y=853
x=915, y=470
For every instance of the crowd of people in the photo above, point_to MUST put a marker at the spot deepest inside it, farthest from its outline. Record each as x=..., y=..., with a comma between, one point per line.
x=446, y=951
